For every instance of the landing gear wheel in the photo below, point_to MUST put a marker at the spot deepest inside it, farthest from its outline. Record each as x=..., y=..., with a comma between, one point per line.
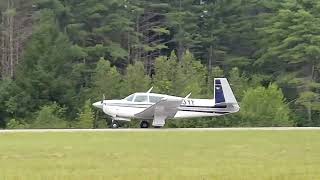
x=144, y=124
x=114, y=125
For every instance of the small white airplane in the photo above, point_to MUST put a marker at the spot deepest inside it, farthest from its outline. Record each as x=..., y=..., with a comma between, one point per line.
x=157, y=108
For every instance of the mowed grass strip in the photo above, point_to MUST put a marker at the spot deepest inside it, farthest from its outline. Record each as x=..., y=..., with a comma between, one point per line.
x=161, y=155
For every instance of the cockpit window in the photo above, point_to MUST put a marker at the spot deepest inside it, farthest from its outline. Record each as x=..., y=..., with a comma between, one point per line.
x=155, y=99
x=141, y=98
x=129, y=98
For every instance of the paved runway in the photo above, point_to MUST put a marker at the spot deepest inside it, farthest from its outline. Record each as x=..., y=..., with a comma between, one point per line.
x=163, y=129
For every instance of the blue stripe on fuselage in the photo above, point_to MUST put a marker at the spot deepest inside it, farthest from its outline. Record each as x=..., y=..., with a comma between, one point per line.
x=218, y=95
x=181, y=106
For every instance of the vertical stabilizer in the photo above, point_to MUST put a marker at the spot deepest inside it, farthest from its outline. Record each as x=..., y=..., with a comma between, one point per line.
x=223, y=92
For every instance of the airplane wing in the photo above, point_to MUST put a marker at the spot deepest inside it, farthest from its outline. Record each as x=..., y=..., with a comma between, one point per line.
x=160, y=111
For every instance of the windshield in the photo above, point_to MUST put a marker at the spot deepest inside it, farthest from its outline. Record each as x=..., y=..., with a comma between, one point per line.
x=129, y=98
x=141, y=98
x=155, y=99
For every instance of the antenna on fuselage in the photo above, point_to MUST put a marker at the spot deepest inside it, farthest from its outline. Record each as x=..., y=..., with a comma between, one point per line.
x=150, y=90
x=187, y=96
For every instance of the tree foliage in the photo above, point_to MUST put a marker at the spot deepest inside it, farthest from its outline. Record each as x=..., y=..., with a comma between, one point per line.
x=86, y=116
x=265, y=107
x=179, y=78
x=49, y=116
x=106, y=80
x=135, y=79
x=62, y=53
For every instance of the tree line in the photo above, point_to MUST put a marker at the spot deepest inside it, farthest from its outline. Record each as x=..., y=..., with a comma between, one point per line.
x=59, y=56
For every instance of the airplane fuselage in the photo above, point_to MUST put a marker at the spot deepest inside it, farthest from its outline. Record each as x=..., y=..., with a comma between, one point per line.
x=160, y=107
x=189, y=108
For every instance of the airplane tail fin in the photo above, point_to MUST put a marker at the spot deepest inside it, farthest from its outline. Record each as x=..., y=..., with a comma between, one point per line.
x=223, y=93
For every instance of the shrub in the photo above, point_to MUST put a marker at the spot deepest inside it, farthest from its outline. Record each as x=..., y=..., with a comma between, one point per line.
x=49, y=116
x=265, y=107
x=15, y=124
x=86, y=117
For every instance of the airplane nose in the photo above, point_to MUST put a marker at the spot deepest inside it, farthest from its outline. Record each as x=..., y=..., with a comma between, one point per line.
x=97, y=104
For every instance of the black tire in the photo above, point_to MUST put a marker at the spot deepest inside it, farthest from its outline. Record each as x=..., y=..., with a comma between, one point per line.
x=144, y=124
x=115, y=125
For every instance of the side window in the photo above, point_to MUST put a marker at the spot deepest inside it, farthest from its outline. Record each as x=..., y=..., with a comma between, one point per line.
x=141, y=98
x=155, y=99
x=129, y=98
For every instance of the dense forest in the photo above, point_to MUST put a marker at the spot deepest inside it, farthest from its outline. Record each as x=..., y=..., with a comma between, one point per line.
x=59, y=56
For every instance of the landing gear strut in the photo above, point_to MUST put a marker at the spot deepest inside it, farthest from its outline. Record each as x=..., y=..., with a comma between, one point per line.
x=144, y=124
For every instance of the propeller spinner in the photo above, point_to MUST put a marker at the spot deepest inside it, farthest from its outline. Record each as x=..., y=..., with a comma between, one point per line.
x=100, y=104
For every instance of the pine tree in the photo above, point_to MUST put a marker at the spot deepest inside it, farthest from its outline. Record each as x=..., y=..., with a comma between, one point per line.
x=181, y=13
x=212, y=26
x=264, y=107
x=101, y=28
x=106, y=80
x=239, y=82
x=44, y=75
x=6, y=86
x=49, y=116
x=291, y=51
x=86, y=116
x=216, y=73
x=162, y=80
x=179, y=79
x=135, y=79
x=190, y=76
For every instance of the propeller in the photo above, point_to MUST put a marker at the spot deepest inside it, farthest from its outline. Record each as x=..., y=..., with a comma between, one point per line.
x=100, y=104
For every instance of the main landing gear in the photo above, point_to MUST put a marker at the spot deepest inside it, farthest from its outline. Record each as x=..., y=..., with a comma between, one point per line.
x=114, y=124
x=144, y=124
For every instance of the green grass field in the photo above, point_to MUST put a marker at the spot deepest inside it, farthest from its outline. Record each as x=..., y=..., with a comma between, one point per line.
x=161, y=155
